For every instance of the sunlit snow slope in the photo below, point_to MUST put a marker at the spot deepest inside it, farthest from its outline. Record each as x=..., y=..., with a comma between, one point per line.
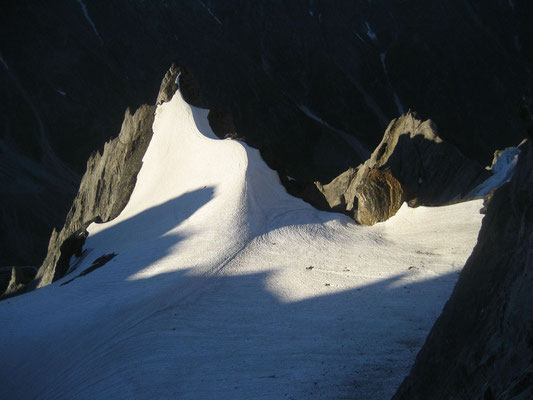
x=225, y=287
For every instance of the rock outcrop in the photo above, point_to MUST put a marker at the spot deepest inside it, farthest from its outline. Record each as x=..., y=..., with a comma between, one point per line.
x=106, y=186
x=14, y=279
x=481, y=347
x=412, y=163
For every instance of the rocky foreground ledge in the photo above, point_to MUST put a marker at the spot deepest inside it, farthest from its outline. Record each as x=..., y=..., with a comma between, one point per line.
x=481, y=347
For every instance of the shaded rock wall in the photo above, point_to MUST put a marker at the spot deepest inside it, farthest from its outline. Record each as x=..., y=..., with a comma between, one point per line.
x=481, y=347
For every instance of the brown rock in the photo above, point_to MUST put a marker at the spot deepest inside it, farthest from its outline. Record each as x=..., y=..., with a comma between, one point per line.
x=221, y=122
x=379, y=197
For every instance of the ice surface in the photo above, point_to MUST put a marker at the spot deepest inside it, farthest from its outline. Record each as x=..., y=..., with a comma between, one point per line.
x=502, y=171
x=226, y=287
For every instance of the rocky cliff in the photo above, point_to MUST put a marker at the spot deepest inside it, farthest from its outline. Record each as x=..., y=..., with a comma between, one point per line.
x=481, y=347
x=106, y=186
x=312, y=84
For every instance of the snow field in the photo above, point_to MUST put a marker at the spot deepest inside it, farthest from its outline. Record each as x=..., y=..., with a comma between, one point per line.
x=226, y=287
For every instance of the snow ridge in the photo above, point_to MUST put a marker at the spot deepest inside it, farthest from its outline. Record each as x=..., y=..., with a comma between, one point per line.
x=224, y=286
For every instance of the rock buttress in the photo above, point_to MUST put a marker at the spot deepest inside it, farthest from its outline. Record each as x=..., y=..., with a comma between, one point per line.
x=106, y=187
x=481, y=347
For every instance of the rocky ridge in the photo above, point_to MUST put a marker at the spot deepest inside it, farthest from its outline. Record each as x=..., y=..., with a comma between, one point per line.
x=104, y=191
x=412, y=163
x=106, y=186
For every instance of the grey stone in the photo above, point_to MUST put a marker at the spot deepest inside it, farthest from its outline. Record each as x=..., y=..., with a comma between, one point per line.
x=106, y=186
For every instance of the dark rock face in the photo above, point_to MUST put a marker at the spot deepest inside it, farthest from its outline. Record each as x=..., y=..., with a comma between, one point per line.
x=71, y=246
x=311, y=84
x=104, y=191
x=222, y=124
x=481, y=347
x=412, y=163
x=106, y=186
x=433, y=171
x=5, y=277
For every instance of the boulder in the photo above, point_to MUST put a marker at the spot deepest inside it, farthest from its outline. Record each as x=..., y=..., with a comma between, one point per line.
x=379, y=196
x=481, y=347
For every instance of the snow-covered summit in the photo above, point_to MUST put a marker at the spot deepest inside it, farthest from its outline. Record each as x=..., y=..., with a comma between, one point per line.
x=225, y=287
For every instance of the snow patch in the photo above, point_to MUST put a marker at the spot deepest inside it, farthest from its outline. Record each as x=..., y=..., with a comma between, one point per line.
x=89, y=20
x=502, y=172
x=369, y=32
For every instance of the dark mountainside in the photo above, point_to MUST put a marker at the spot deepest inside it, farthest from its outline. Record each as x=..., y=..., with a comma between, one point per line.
x=312, y=84
x=481, y=347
